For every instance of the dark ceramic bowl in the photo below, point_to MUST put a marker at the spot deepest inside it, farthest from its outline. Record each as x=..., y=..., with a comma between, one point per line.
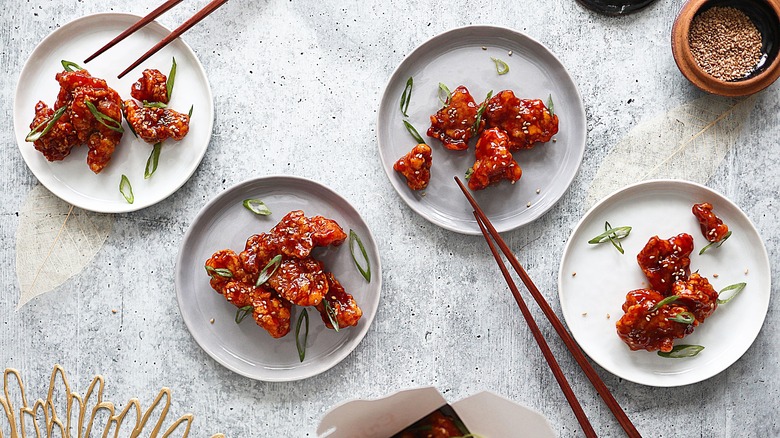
x=765, y=15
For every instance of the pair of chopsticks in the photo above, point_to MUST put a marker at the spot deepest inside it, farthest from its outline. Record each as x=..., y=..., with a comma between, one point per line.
x=487, y=231
x=200, y=15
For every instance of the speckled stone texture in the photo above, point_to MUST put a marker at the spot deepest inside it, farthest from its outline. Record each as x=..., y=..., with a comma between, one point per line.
x=297, y=86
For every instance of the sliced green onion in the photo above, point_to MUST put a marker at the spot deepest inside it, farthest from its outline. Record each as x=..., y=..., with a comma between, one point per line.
x=469, y=172
x=613, y=235
x=126, y=189
x=70, y=66
x=737, y=288
x=414, y=133
x=480, y=111
x=501, y=67
x=36, y=133
x=171, y=79
x=683, y=317
x=682, y=351
x=718, y=243
x=550, y=105
x=298, y=343
x=444, y=94
x=151, y=162
x=331, y=315
x=100, y=117
x=269, y=270
x=257, y=206
x=353, y=237
x=222, y=272
x=406, y=96
x=665, y=301
x=189, y=114
x=242, y=312
x=148, y=104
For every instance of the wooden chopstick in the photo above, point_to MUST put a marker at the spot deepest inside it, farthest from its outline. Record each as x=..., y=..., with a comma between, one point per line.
x=203, y=13
x=548, y=355
x=567, y=339
x=130, y=30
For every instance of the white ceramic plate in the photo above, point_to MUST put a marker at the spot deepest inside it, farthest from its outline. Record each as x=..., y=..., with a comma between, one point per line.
x=246, y=348
x=604, y=277
x=70, y=179
x=456, y=58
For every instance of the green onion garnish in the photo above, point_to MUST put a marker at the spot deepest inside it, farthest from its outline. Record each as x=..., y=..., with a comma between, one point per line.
x=189, y=114
x=298, y=343
x=222, y=272
x=444, y=94
x=126, y=189
x=737, y=288
x=269, y=270
x=331, y=315
x=681, y=351
x=36, y=133
x=148, y=104
x=242, y=312
x=70, y=66
x=171, y=79
x=501, y=67
x=353, y=237
x=550, y=105
x=480, y=111
x=102, y=118
x=151, y=162
x=718, y=243
x=469, y=172
x=406, y=96
x=683, y=317
x=257, y=206
x=667, y=300
x=613, y=235
x=414, y=132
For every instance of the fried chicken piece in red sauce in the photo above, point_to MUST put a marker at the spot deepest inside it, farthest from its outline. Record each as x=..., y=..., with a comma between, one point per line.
x=58, y=142
x=416, y=167
x=453, y=123
x=296, y=235
x=70, y=81
x=154, y=125
x=151, y=87
x=666, y=261
x=712, y=227
x=300, y=281
x=697, y=295
x=345, y=310
x=435, y=425
x=641, y=328
x=526, y=121
x=494, y=161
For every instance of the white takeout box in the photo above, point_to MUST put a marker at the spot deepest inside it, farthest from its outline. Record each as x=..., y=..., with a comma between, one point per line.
x=485, y=414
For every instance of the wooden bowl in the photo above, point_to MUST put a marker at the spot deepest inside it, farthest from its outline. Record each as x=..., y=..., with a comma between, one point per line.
x=765, y=15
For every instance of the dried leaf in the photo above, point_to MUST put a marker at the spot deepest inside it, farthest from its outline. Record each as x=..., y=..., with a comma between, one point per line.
x=689, y=142
x=54, y=242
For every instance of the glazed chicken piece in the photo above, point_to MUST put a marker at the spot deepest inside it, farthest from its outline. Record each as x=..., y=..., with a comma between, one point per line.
x=526, y=121
x=154, y=125
x=416, y=167
x=643, y=328
x=300, y=281
x=494, y=161
x=712, y=227
x=344, y=308
x=151, y=87
x=296, y=235
x=453, y=124
x=697, y=295
x=666, y=261
x=258, y=251
x=58, y=142
x=435, y=425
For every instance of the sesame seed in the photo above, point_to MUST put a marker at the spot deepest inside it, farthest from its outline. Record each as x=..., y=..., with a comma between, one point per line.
x=538, y=191
x=725, y=43
x=573, y=274
x=510, y=53
x=211, y=320
x=608, y=316
x=484, y=48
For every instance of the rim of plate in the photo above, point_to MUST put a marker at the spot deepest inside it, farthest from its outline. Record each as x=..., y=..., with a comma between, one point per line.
x=443, y=36
x=653, y=182
x=341, y=353
x=49, y=183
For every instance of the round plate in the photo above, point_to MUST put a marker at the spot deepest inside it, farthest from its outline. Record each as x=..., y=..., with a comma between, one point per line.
x=592, y=299
x=71, y=179
x=246, y=348
x=457, y=58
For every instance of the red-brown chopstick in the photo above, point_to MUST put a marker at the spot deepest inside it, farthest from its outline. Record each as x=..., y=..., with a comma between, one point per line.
x=130, y=30
x=203, y=13
x=567, y=339
x=548, y=355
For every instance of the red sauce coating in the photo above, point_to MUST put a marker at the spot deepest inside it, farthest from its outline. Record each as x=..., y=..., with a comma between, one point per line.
x=666, y=261
x=526, y=121
x=494, y=161
x=416, y=167
x=453, y=123
x=712, y=227
x=300, y=281
x=643, y=329
x=697, y=295
x=345, y=309
x=151, y=87
x=154, y=125
x=435, y=425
